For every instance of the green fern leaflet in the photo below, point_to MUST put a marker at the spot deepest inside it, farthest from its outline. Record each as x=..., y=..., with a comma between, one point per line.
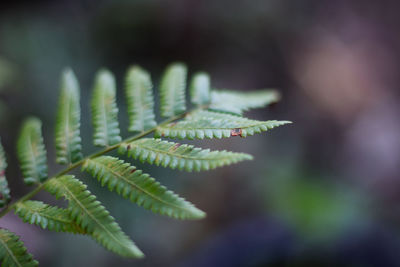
x=140, y=101
x=172, y=90
x=31, y=152
x=104, y=110
x=140, y=188
x=68, y=139
x=237, y=102
x=182, y=157
x=208, y=124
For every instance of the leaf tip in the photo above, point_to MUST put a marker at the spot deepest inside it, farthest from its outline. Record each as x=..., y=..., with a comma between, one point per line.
x=248, y=157
x=135, y=252
x=197, y=214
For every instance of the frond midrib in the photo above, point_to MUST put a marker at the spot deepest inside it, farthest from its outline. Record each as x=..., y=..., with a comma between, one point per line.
x=30, y=147
x=140, y=110
x=104, y=115
x=218, y=128
x=184, y=156
x=66, y=132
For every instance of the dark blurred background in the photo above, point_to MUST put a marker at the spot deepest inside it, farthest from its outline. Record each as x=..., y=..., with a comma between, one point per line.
x=324, y=191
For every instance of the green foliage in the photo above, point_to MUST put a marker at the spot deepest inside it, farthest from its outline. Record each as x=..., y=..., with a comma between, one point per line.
x=91, y=216
x=31, y=152
x=47, y=217
x=140, y=188
x=172, y=90
x=140, y=100
x=13, y=253
x=237, y=102
x=4, y=190
x=183, y=157
x=105, y=111
x=68, y=139
x=217, y=114
x=200, y=89
x=208, y=124
x=311, y=204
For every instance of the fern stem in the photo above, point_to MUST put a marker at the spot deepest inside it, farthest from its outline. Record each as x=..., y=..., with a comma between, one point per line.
x=71, y=167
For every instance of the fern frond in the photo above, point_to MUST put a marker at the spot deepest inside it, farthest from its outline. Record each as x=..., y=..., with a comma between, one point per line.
x=207, y=124
x=4, y=189
x=47, y=217
x=31, y=152
x=140, y=100
x=68, y=140
x=91, y=216
x=183, y=157
x=200, y=89
x=172, y=90
x=105, y=110
x=140, y=188
x=217, y=114
x=237, y=102
x=13, y=253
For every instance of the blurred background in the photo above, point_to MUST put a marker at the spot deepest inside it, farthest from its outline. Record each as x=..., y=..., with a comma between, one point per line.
x=324, y=191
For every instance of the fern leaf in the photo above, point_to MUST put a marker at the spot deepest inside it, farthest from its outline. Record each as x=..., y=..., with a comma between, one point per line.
x=140, y=188
x=237, y=102
x=4, y=189
x=47, y=217
x=91, y=216
x=31, y=152
x=172, y=90
x=140, y=100
x=183, y=157
x=13, y=253
x=68, y=140
x=105, y=110
x=207, y=124
x=200, y=89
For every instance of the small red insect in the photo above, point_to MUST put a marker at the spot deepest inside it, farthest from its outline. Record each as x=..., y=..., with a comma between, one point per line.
x=236, y=132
